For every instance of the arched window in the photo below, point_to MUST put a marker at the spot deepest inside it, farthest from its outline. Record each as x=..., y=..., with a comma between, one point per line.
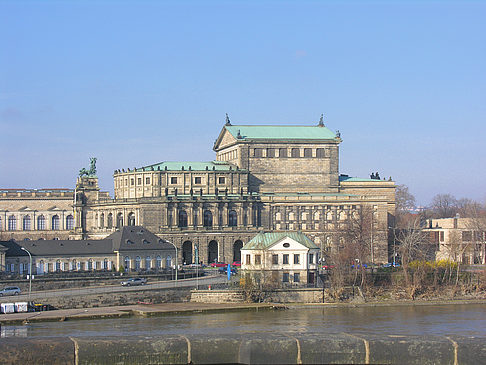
x=90, y=264
x=69, y=222
x=237, y=250
x=182, y=218
x=105, y=264
x=307, y=152
x=58, y=265
x=102, y=220
x=41, y=223
x=131, y=219
x=320, y=153
x=158, y=261
x=26, y=226
x=295, y=152
x=127, y=263
x=138, y=261
x=212, y=252
x=342, y=216
x=55, y=223
x=12, y=223
x=110, y=221
x=119, y=220
x=148, y=262
x=75, y=265
x=232, y=218
x=329, y=216
x=208, y=218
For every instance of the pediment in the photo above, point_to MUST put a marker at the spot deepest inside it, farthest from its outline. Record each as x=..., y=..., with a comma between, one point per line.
x=56, y=209
x=293, y=245
x=224, y=139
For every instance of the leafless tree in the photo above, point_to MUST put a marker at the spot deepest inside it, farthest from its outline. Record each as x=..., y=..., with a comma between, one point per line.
x=444, y=206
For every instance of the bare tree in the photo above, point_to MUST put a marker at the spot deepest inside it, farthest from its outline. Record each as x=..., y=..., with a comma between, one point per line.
x=444, y=206
x=404, y=200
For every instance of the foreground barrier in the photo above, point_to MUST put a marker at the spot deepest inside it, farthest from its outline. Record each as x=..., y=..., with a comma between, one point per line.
x=258, y=348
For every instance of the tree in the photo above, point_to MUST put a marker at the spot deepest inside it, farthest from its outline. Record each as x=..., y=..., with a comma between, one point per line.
x=405, y=201
x=444, y=206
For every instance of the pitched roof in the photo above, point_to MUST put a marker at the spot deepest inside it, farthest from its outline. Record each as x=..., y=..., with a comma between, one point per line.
x=264, y=240
x=137, y=238
x=59, y=247
x=280, y=132
x=189, y=165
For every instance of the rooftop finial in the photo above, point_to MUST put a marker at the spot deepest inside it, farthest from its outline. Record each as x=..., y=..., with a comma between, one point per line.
x=321, y=121
x=228, y=122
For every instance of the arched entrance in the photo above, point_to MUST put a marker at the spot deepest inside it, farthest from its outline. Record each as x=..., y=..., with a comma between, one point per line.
x=187, y=253
x=237, y=250
x=212, y=251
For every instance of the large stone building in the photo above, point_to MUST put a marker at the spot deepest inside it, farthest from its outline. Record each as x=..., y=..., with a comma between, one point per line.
x=272, y=178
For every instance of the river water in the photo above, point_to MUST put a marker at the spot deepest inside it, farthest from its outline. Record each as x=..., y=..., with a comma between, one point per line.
x=457, y=319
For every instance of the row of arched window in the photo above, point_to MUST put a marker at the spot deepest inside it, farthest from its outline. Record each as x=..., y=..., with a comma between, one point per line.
x=283, y=152
x=329, y=216
x=119, y=220
x=147, y=263
x=207, y=219
x=26, y=223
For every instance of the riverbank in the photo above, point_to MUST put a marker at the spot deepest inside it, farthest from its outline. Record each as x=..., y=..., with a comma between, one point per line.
x=149, y=310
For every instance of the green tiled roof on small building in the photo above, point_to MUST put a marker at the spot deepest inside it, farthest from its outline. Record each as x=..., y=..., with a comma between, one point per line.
x=264, y=240
x=291, y=132
x=188, y=165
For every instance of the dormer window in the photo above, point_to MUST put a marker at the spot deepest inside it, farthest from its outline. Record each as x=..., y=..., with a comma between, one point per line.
x=130, y=242
x=145, y=242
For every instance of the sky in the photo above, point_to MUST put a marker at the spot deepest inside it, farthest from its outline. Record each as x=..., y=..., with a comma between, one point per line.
x=139, y=82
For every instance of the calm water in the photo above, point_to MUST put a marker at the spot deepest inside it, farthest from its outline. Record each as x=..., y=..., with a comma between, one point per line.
x=433, y=320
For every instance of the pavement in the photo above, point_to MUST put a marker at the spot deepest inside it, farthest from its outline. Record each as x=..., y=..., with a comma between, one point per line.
x=145, y=310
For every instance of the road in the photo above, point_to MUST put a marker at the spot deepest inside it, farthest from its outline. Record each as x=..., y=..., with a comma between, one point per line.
x=193, y=282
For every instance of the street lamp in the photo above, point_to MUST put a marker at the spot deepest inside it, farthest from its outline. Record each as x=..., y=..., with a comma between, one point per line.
x=176, y=266
x=30, y=270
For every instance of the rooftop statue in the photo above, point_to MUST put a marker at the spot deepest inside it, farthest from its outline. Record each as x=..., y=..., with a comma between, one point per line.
x=92, y=169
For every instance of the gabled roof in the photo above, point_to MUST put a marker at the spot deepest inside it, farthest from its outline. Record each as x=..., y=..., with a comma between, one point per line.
x=264, y=240
x=59, y=247
x=137, y=238
x=285, y=132
x=189, y=165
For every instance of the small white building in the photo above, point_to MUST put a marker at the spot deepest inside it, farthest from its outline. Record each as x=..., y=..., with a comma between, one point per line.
x=280, y=259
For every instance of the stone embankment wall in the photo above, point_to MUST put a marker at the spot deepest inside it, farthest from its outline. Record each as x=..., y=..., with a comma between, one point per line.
x=270, y=296
x=251, y=348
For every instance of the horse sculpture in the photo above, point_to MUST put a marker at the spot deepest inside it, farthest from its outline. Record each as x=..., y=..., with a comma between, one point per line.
x=92, y=168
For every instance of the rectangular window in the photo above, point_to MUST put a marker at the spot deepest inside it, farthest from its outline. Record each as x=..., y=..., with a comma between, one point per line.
x=126, y=182
x=442, y=236
x=467, y=236
x=257, y=152
x=258, y=259
x=221, y=180
x=311, y=258
x=297, y=277
x=132, y=181
x=197, y=180
x=307, y=152
x=275, y=259
x=270, y=152
x=147, y=181
x=139, y=181
x=248, y=262
x=296, y=259
x=285, y=277
x=282, y=152
x=173, y=180
x=285, y=258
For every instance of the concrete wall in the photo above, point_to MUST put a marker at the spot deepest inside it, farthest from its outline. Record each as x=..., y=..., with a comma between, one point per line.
x=250, y=348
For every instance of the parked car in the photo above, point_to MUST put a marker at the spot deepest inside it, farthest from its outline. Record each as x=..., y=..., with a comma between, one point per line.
x=389, y=264
x=224, y=270
x=218, y=264
x=328, y=267
x=236, y=263
x=134, y=281
x=10, y=290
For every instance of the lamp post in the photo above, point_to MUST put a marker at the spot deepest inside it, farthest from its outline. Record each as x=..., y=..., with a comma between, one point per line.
x=30, y=270
x=176, y=266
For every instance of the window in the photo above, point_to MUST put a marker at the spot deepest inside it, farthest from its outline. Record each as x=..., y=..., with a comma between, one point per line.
x=126, y=182
x=311, y=258
x=55, y=223
x=296, y=277
x=208, y=219
x=132, y=181
x=173, y=180
x=285, y=277
x=138, y=261
x=285, y=258
x=26, y=223
x=41, y=223
x=131, y=219
x=130, y=242
x=139, y=181
x=257, y=152
x=197, y=180
x=110, y=221
x=221, y=180
x=147, y=181
x=282, y=152
x=232, y=218
x=158, y=262
x=442, y=236
x=320, y=153
x=12, y=223
x=307, y=152
x=0, y=223
x=295, y=152
x=148, y=262
x=127, y=263
x=119, y=220
x=182, y=218
x=248, y=262
x=70, y=221
x=145, y=242
x=296, y=259
x=467, y=236
x=275, y=259
x=270, y=152
x=258, y=259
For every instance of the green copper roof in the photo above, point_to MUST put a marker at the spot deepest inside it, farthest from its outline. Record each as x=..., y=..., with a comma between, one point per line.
x=264, y=240
x=280, y=132
x=194, y=166
x=356, y=179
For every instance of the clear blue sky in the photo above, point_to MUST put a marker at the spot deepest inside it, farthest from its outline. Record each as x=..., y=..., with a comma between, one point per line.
x=139, y=82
